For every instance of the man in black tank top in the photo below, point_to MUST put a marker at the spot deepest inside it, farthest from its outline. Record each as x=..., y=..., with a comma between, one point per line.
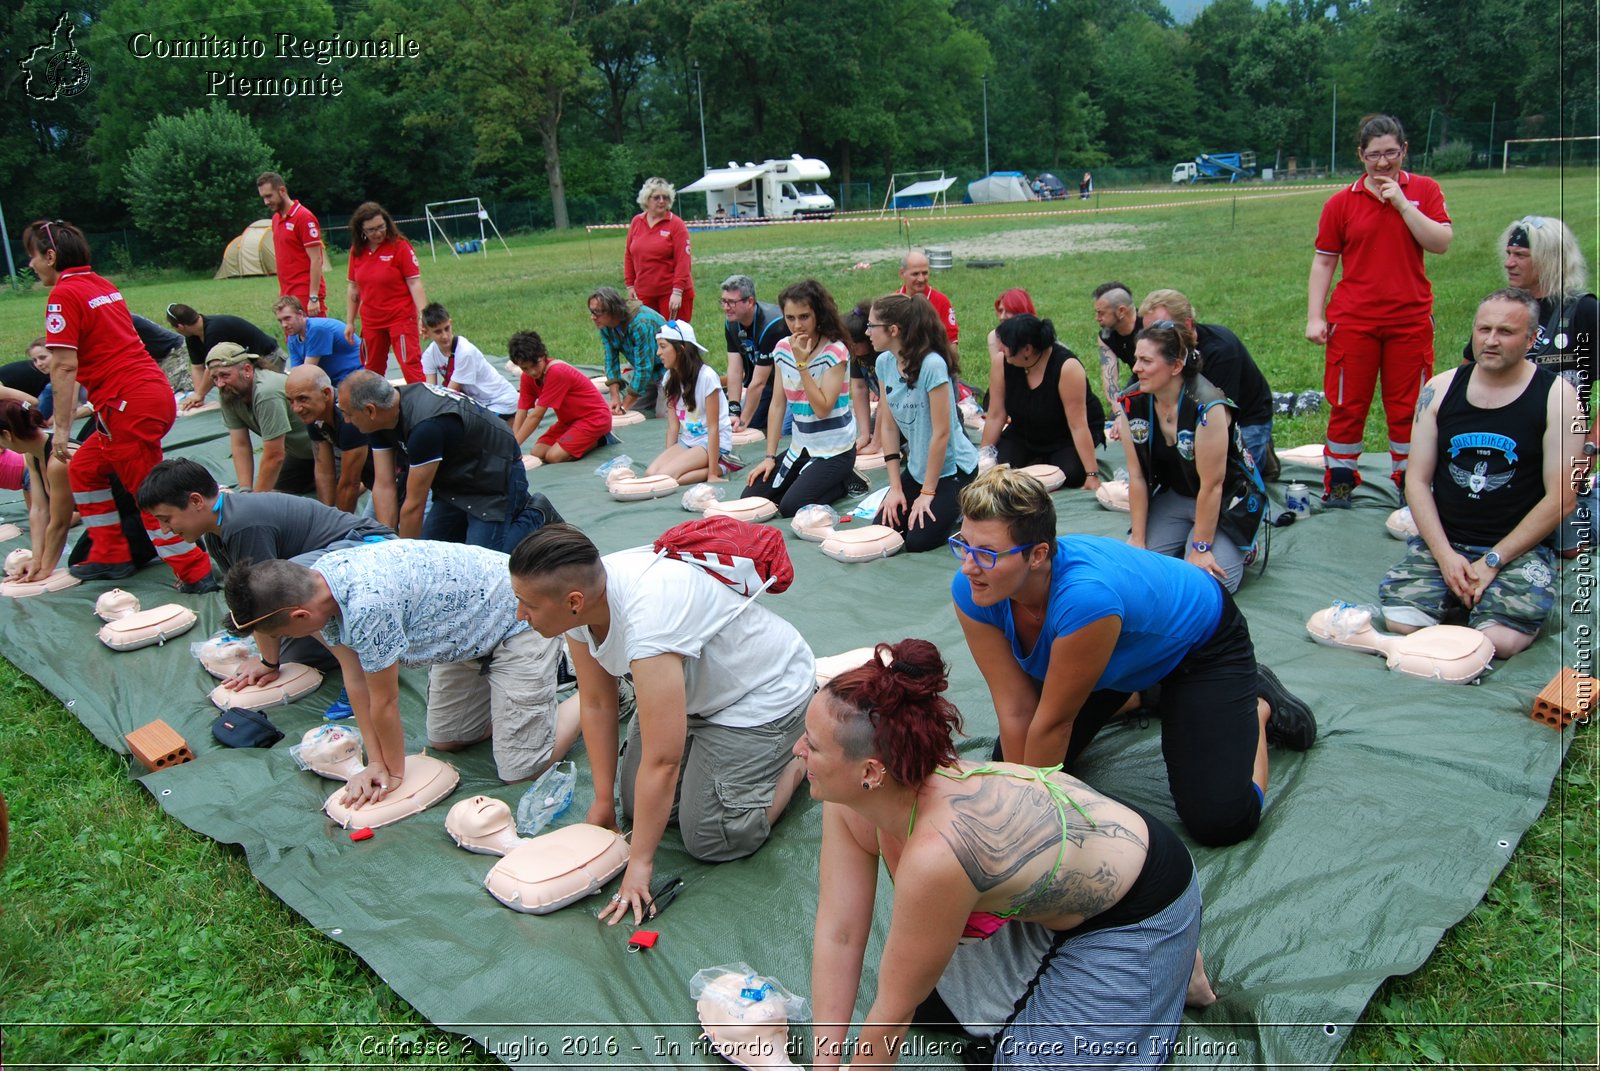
x=1493, y=449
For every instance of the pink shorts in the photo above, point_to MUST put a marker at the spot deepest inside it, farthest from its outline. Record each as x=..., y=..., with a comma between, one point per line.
x=12, y=469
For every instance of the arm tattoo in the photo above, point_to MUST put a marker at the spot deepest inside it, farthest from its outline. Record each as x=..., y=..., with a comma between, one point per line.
x=1424, y=400
x=1108, y=373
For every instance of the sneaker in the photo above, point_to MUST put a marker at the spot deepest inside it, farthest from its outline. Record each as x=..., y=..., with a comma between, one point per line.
x=102, y=570
x=1290, y=724
x=856, y=485
x=204, y=586
x=1341, y=485
x=731, y=462
x=340, y=708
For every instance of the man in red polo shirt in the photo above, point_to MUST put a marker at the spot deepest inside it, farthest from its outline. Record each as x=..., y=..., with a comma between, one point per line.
x=914, y=281
x=297, y=245
x=92, y=340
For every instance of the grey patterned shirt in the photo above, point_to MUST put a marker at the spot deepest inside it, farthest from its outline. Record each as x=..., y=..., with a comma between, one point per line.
x=419, y=603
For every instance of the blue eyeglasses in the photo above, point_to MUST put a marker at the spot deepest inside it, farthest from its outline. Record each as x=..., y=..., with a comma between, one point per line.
x=983, y=557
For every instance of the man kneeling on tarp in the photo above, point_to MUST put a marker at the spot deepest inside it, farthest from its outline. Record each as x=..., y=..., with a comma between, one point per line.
x=720, y=707
x=418, y=603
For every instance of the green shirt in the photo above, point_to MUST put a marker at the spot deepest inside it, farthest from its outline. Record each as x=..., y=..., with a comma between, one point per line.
x=267, y=413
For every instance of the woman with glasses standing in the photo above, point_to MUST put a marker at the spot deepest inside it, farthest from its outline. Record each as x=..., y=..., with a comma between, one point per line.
x=386, y=292
x=1380, y=319
x=656, y=261
x=1067, y=630
x=918, y=410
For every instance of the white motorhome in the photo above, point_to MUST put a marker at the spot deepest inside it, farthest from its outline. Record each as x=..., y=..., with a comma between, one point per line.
x=772, y=189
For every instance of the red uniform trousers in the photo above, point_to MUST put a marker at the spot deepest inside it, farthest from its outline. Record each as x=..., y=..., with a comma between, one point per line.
x=1403, y=353
x=406, y=340
x=662, y=302
x=127, y=442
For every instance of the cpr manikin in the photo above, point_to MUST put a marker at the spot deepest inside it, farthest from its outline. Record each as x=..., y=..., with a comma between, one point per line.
x=17, y=563
x=851, y=543
x=745, y=1016
x=116, y=604
x=334, y=751
x=1448, y=653
x=331, y=751
x=541, y=874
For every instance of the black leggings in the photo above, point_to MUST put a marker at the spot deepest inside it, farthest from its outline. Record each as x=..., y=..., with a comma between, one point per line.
x=1014, y=451
x=1209, y=732
x=946, y=511
x=809, y=481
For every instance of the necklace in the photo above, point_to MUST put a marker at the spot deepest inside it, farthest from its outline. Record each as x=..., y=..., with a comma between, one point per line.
x=1036, y=615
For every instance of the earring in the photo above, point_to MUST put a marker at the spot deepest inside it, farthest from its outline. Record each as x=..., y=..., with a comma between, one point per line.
x=866, y=786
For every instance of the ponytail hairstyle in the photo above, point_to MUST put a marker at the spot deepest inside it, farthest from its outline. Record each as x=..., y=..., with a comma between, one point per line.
x=68, y=242
x=684, y=373
x=920, y=333
x=1176, y=343
x=855, y=325
x=20, y=420
x=893, y=709
x=1024, y=330
x=1377, y=125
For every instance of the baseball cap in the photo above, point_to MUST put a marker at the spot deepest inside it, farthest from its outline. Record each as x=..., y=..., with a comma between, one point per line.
x=225, y=354
x=680, y=331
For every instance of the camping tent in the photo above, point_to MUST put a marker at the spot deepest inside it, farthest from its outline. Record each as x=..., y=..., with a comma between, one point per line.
x=1000, y=186
x=250, y=253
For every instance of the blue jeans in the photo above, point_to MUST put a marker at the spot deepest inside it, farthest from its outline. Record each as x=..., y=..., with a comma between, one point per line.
x=525, y=514
x=1257, y=439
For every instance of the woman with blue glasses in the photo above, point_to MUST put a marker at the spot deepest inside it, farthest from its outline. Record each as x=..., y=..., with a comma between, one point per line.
x=1067, y=630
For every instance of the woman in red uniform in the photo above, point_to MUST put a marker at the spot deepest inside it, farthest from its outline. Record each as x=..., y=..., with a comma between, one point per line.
x=92, y=340
x=386, y=292
x=656, y=263
x=1381, y=315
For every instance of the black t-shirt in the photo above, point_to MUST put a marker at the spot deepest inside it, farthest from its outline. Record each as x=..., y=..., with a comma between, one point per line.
x=220, y=329
x=1122, y=345
x=158, y=341
x=345, y=437
x=426, y=443
x=23, y=376
x=1230, y=368
x=757, y=341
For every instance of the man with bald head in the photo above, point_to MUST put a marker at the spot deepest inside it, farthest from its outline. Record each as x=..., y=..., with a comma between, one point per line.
x=341, y=454
x=457, y=450
x=914, y=271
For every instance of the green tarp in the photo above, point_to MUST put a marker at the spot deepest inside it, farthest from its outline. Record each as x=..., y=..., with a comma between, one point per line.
x=1372, y=844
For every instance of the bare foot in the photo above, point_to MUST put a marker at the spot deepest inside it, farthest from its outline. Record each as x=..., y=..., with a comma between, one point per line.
x=1200, y=994
x=790, y=779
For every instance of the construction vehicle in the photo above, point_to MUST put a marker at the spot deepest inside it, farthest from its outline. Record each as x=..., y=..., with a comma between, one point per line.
x=1216, y=167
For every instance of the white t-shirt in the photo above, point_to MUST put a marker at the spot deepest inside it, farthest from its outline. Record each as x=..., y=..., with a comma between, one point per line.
x=738, y=677
x=693, y=430
x=474, y=375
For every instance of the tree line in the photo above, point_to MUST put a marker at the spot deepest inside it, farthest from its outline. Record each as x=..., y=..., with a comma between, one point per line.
x=571, y=103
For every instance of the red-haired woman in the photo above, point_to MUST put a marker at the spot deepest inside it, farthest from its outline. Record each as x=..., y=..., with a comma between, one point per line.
x=1087, y=910
x=386, y=292
x=92, y=339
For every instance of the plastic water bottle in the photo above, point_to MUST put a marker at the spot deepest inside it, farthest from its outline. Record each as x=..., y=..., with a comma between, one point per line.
x=546, y=799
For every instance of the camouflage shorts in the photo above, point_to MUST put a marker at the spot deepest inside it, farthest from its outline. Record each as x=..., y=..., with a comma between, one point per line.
x=1520, y=597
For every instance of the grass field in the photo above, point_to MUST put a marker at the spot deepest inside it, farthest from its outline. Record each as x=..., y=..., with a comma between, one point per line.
x=111, y=915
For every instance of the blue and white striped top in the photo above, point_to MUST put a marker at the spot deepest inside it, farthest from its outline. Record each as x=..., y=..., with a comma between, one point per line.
x=820, y=434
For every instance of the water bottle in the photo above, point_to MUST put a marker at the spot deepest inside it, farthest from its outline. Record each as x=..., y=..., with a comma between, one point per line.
x=546, y=799
x=1298, y=500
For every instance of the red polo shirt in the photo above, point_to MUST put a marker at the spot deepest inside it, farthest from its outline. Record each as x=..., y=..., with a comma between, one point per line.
x=657, y=260
x=1381, y=279
x=947, y=315
x=380, y=274
x=86, y=313
x=293, y=233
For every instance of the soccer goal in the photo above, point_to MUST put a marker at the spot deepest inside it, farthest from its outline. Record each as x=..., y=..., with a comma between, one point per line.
x=444, y=219
x=926, y=193
x=1505, y=151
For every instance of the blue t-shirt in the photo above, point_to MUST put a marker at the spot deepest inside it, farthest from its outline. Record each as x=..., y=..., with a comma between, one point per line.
x=912, y=413
x=1168, y=608
x=325, y=341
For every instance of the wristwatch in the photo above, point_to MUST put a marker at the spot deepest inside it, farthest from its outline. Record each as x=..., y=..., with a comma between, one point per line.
x=1201, y=546
x=1589, y=449
x=735, y=409
x=1492, y=559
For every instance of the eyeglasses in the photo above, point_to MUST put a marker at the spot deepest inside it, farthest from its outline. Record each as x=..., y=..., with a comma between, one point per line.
x=238, y=629
x=880, y=327
x=1163, y=325
x=1536, y=222
x=731, y=303
x=375, y=231
x=983, y=557
x=1383, y=156
x=595, y=314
